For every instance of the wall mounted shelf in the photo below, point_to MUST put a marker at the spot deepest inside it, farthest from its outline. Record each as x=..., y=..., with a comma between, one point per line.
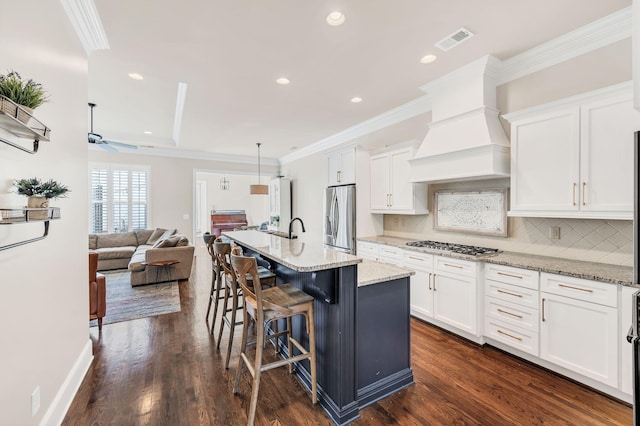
x=25, y=215
x=19, y=122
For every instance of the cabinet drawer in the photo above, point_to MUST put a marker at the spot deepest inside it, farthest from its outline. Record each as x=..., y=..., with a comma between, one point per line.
x=515, y=337
x=580, y=289
x=390, y=253
x=418, y=260
x=511, y=293
x=368, y=250
x=516, y=276
x=512, y=314
x=455, y=266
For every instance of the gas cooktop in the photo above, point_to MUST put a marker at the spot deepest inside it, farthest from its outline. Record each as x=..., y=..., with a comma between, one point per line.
x=456, y=248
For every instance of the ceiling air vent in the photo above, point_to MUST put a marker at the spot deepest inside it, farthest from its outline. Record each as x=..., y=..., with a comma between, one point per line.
x=454, y=39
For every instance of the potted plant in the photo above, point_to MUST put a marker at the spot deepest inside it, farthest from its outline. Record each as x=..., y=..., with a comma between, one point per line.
x=26, y=93
x=40, y=192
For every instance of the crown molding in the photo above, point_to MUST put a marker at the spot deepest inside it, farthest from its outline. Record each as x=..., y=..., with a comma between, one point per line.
x=191, y=155
x=86, y=21
x=597, y=34
x=396, y=115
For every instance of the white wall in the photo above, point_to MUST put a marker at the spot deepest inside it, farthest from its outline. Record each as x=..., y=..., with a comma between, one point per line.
x=237, y=197
x=44, y=321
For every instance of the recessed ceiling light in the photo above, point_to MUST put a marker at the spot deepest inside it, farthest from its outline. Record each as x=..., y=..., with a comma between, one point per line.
x=335, y=18
x=283, y=81
x=136, y=76
x=428, y=59
x=148, y=132
x=356, y=100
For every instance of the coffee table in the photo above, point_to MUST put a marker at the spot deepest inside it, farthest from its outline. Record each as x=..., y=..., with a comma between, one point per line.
x=162, y=266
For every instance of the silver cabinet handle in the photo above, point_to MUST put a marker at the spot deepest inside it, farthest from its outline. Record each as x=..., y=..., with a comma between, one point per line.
x=430, y=280
x=434, y=282
x=390, y=200
x=510, y=275
x=509, y=313
x=510, y=335
x=543, y=319
x=509, y=293
x=453, y=266
x=584, y=186
x=588, y=290
x=574, y=193
x=338, y=175
x=415, y=258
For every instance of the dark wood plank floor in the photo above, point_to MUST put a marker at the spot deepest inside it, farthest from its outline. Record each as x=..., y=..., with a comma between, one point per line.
x=166, y=370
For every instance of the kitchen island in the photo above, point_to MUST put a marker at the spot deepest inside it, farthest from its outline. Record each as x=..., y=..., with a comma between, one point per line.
x=361, y=314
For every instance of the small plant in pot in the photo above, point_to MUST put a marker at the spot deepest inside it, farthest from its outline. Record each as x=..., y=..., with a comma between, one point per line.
x=26, y=93
x=40, y=192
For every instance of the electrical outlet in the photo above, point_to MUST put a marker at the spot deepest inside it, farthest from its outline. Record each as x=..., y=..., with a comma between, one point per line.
x=35, y=401
x=554, y=232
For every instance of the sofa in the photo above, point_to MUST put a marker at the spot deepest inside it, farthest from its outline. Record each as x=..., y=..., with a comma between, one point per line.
x=135, y=250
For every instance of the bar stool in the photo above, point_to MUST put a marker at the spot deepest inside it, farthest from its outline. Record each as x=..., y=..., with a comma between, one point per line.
x=216, y=285
x=272, y=304
x=222, y=251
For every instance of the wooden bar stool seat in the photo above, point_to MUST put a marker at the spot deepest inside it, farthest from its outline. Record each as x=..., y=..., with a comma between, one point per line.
x=232, y=289
x=263, y=306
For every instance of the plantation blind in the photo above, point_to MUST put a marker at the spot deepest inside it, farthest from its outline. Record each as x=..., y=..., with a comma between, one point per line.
x=119, y=198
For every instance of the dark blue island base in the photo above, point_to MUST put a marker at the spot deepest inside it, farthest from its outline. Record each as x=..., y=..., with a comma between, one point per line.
x=362, y=338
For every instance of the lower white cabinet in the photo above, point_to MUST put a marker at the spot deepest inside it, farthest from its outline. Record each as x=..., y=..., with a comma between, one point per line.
x=421, y=285
x=455, y=298
x=511, y=307
x=579, y=335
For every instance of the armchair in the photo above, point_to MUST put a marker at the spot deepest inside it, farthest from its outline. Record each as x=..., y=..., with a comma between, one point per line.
x=97, y=291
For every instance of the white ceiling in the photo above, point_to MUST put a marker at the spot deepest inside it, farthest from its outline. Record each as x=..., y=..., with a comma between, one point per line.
x=230, y=53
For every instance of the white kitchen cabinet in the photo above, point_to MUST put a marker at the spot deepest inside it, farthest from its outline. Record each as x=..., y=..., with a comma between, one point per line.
x=511, y=307
x=626, y=349
x=368, y=250
x=576, y=333
x=341, y=167
x=455, y=295
x=391, y=191
x=421, y=284
x=574, y=158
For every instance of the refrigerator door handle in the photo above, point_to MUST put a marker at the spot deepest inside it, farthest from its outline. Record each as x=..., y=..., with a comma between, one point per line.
x=336, y=218
x=630, y=335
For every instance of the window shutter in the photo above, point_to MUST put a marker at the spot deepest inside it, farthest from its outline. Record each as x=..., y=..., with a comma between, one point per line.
x=138, y=200
x=98, y=209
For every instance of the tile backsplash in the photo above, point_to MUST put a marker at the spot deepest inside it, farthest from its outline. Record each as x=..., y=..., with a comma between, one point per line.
x=593, y=240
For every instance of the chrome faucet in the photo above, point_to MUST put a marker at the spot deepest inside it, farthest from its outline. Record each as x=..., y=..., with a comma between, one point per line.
x=291, y=236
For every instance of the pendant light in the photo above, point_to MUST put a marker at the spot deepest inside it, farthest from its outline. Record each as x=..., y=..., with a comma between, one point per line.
x=259, y=189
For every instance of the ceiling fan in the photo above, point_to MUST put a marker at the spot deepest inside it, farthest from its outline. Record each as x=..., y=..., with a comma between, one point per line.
x=96, y=139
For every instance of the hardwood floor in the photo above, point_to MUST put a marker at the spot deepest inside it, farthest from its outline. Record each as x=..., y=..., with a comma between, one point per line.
x=166, y=370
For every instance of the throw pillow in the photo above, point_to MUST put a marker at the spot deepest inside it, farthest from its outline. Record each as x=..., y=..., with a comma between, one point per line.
x=167, y=242
x=155, y=236
x=183, y=241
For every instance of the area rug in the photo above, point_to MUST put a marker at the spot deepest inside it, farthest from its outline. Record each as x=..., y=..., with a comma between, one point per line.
x=126, y=303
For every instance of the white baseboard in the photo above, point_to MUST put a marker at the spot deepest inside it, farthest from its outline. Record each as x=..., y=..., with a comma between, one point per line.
x=62, y=401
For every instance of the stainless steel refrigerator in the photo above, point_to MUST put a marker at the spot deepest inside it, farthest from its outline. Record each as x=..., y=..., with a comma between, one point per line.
x=339, y=229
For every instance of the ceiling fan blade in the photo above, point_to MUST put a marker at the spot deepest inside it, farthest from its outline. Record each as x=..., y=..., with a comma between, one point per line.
x=107, y=147
x=122, y=145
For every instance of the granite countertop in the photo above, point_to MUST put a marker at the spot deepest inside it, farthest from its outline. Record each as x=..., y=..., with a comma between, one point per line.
x=303, y=254
x=615, y=274
x=372, y=272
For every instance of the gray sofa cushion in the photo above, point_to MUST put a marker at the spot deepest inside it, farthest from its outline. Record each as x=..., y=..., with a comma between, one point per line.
x=143, y=235
x=116, y=252
x=137, y=259
x=93, y=241
x=117, y=240
x=155, y=236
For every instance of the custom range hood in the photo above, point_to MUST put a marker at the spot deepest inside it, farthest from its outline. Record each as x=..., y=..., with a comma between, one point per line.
x=465, y=140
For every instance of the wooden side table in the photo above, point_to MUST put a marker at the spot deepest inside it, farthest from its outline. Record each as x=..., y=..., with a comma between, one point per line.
x=162, y=266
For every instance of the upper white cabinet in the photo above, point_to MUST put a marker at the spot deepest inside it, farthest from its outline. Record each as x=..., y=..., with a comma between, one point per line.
x=342, y=167
x=279, y=204
x=391, y=191
x=574, y=158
